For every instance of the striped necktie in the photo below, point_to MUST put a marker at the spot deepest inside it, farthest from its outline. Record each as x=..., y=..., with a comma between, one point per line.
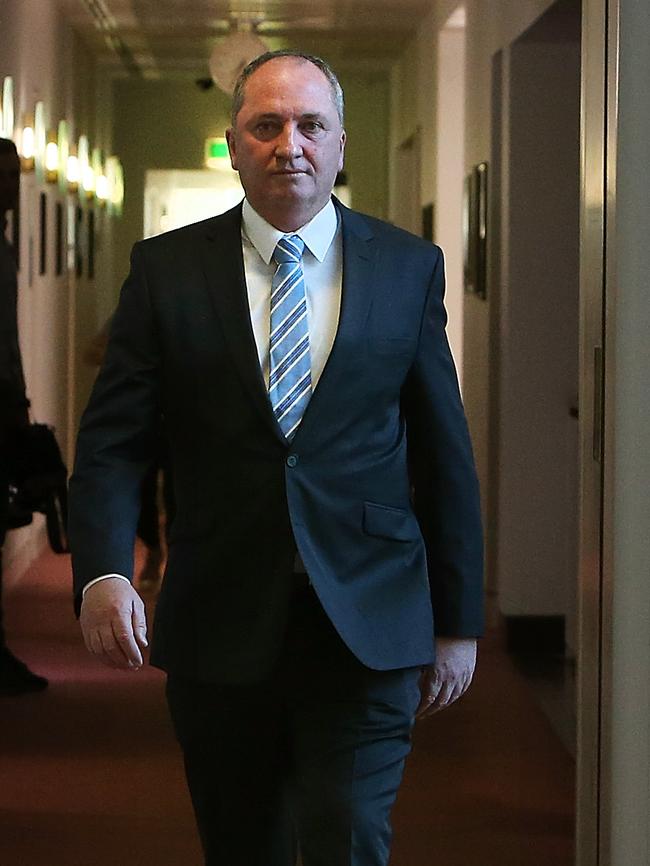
x=290, y=363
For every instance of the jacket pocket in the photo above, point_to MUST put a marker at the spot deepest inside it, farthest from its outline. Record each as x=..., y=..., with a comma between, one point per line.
x=386, y=521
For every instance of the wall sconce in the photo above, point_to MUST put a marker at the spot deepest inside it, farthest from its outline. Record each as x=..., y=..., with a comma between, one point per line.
x=7, y=125
x=40, y=140
x=27, y=147
x=88, y=181
x=97, y=170
x=51, y=158
x=101, y=189
x=72, y=170
x=83, y=156
x=63, y=139
x=115, y=178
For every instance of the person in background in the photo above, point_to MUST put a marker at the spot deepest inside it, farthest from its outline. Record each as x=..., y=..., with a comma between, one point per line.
x=15, y=676
x=324, y=580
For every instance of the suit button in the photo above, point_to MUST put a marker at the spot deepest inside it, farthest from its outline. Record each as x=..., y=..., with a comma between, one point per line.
x=292, y=460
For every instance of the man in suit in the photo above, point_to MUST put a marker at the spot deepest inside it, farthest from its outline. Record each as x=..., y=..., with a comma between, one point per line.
x=327, y=504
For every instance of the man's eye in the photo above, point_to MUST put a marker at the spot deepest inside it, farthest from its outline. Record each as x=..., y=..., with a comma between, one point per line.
x=312, y=126
x=265, y=127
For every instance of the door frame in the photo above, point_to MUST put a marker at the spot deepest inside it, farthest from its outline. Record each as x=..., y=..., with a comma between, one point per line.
x=599, y=123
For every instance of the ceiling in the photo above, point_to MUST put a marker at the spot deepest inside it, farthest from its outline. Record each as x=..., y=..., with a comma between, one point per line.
x=162, y=37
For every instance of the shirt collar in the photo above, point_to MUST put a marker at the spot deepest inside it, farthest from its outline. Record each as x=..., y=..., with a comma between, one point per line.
x=317, y=234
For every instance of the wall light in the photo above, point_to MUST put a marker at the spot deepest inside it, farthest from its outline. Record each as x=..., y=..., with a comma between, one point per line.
x=52, y=157
x=101, y=189
x=40, y=140
x=98, y=170
x=115, y=183
x=83, y=155
x=63, y=139
x=88, y=181
x=73, y=172
x=27, y=143
x=7, y=125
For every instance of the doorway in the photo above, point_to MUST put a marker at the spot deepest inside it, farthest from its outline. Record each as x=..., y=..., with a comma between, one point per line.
x=533, y=490
x=175, y=198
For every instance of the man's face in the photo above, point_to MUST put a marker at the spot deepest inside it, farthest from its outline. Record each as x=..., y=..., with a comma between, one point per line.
x=287, y=143
x=9, y=181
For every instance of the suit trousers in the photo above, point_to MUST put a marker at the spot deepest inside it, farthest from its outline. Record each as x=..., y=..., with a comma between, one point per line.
x=310, y=757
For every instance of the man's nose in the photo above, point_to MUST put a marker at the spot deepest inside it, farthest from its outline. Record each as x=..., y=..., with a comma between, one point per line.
x=288, y=143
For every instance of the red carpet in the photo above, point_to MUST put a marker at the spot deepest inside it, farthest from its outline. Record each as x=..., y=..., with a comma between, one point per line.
x=90, y=774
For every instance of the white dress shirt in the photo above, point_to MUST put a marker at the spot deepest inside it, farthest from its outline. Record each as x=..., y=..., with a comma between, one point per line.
x=323, y=269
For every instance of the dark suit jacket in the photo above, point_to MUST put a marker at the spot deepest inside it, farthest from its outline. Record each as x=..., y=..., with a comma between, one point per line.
x=377, y=490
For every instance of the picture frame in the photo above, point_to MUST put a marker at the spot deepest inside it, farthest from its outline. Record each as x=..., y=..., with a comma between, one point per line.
x=428, y=221
x=78, y=241
x=469, y=231
x=59, y=240
x=42, y=249
x=90, y=259
x=475, y=230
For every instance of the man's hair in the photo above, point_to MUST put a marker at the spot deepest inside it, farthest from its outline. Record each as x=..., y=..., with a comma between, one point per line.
x=325, y=68
x=7, y=146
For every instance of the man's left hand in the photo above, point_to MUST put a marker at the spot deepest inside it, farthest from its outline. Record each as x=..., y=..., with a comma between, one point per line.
x=449, y=677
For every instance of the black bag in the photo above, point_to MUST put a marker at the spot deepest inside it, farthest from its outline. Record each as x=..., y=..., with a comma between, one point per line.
x=38, y=482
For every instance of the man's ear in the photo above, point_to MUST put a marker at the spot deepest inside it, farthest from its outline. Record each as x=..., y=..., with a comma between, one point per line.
x=232, y=147
x=342, y=149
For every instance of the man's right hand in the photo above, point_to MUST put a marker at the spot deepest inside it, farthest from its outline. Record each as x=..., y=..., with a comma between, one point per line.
x=114, y=624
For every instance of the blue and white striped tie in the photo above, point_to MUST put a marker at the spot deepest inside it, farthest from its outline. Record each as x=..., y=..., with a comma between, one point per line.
x=290, y=362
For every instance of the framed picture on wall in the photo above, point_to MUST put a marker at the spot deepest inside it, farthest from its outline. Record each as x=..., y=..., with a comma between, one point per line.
x=42, y=249
x=475, y=205
x=58, y=240
x=428, y=221
x=469, y=232
x=79, y=241
x=91, y=244
x=481, y=228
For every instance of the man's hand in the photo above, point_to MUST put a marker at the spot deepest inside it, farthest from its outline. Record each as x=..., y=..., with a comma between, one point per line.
x=113, y=623
x=449, y=677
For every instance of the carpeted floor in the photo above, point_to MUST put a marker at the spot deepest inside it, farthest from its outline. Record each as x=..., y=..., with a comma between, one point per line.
x=90, y=774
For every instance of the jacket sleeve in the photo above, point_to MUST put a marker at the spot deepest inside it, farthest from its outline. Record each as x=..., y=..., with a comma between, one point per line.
x=443, y=476
x=116, y=440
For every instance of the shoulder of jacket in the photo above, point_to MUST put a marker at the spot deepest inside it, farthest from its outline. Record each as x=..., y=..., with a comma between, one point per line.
x=188, y=235
x=385, y=232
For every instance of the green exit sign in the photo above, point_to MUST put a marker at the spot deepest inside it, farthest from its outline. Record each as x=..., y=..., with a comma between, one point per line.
x=216, y=153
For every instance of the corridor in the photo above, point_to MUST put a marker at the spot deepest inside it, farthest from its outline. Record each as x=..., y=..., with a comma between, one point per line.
x=90, y=774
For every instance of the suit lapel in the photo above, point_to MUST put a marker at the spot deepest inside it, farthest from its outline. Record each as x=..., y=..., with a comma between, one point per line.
x=223, y=265
x=359, y=256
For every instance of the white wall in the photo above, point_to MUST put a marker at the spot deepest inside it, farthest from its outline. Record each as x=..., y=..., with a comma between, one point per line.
x=535, y=567
x=450, y=172
x=47, y=62
x=490, y=27
x=537, y=324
